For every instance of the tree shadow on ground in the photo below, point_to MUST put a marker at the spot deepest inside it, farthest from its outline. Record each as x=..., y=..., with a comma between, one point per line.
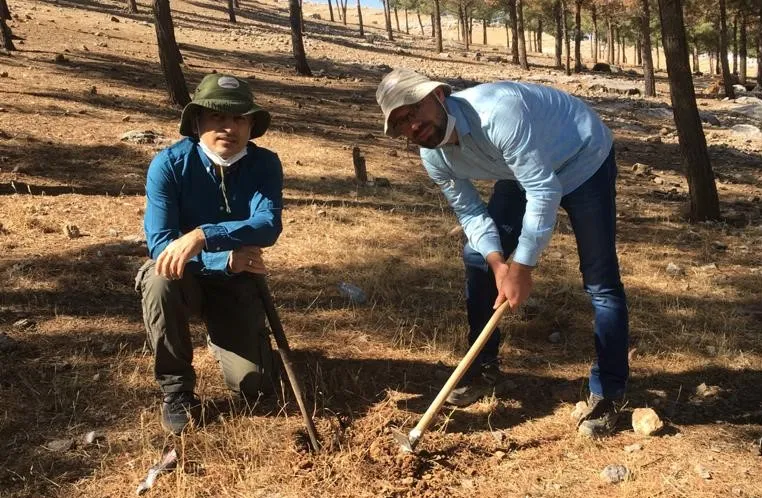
x=49, y=375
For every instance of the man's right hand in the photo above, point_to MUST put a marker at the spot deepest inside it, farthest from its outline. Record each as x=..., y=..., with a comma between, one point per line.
x=247, y=258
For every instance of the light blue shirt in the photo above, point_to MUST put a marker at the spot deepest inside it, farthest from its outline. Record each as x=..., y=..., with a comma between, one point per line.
x=548, y=141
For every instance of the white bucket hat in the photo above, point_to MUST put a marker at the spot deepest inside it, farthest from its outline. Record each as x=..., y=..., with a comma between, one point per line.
x=404, y=87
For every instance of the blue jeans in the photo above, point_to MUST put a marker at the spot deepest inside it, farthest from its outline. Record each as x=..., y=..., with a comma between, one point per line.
x=592, y=212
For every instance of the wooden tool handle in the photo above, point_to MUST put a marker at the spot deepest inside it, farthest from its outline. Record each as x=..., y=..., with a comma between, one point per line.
x=464, y=364
x=284, y=350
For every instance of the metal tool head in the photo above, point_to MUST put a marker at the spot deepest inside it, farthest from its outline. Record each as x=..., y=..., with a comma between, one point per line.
x=407, y=442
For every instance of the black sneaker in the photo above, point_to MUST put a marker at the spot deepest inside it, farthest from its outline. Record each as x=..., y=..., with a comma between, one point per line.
x=491, y=374
x=599, y=419
x=178, y=410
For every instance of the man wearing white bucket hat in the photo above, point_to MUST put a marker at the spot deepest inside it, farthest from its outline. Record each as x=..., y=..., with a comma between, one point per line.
x=545, y=149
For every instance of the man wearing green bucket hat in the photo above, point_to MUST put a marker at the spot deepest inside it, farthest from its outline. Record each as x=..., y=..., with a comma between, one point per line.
x=213, y=200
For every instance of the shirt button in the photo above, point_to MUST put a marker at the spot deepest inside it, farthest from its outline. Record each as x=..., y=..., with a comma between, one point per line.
x=222, y=208
x=218, y=248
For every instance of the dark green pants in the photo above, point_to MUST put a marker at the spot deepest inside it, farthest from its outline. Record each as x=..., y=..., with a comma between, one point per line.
x=235, y=322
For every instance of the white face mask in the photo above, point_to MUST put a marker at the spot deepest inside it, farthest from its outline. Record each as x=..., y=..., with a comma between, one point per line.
x=450, y=126
x=219, y=160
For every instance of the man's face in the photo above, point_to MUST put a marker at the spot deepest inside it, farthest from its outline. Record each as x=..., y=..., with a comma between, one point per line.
x=424, y=123
x=225, y=134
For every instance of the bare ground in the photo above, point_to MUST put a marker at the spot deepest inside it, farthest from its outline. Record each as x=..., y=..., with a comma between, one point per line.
x=80, y=363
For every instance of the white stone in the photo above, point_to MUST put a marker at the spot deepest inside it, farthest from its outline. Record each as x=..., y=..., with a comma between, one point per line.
x=614, y=474
x=645, y=421
x=674, y=270
x=578, y=410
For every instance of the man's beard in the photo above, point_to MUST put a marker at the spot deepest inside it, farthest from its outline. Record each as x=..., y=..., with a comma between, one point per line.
x=436, y=137
x=439, y=128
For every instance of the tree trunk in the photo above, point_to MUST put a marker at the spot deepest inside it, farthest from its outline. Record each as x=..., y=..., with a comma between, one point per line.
x=514, y=31
x=577, y=36
x=735, y=44
x=420, y=23
x=646, y=57
x=132, y=7
x=407, y=23
x=5, y=12
x=539, y=36
x=170, y=64
x=397, y=19
x=507, y=35
x=470, y=18
x=759, y=48
x=359, y=17
x=433, y=26
x=437, y=25
x=388, y=19
x=559, y=34
x=532, y=41
x=297, y=44
x=231, y=11
x=301, y=15
x=484, y=31
x=594, y=14
x=696, y=65
x=520, y=29
x=742, y=52
x=344, y=10
x=618, y=46
x=236, y=4
x=610, y=41
x=461, y=26
x=6, y=36
x=726, y=79
x=695, y=157
x=658, y=60
x=330, y=11
x=564, y=25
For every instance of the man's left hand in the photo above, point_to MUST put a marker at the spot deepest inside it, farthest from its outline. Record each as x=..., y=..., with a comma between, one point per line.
x=513, y=285
x=171, y=262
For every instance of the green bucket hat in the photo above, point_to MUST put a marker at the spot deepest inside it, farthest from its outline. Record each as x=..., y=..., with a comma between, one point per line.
x=223, y=93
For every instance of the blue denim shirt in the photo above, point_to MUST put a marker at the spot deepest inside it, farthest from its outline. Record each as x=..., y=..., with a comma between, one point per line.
x=183, y=192
x=548, y=141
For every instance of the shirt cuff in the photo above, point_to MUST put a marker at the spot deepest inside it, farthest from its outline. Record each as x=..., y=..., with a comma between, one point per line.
x=489, y=244
x=215, y=236
x=526, y=256
x=215, y=262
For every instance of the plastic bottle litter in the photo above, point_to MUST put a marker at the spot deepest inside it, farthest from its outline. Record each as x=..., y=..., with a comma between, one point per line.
x=352, y=292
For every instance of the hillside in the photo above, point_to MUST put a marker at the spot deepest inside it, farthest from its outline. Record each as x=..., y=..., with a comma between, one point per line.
x=73, y=357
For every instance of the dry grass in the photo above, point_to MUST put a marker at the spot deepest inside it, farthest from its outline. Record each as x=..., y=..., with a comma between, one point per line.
x=368, y=368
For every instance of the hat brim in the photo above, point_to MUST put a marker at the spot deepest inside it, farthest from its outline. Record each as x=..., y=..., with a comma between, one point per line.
x=418, y=93
x=259, y=126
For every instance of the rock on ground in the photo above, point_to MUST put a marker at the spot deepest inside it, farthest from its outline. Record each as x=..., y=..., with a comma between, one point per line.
x=645, y=421
x=614, y=473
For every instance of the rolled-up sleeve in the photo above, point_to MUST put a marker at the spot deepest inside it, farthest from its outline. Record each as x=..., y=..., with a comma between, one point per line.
x=522, y=151
x=263, y=226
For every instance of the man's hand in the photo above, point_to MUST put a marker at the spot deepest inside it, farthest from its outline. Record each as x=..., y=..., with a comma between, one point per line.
x=513, y=281
x=247, y=258
x=171, y=262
